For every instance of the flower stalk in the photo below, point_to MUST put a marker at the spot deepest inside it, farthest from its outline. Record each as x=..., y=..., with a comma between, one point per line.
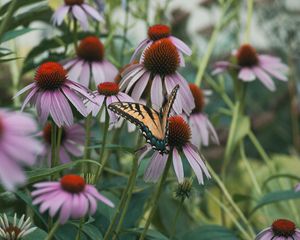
x=154, y=202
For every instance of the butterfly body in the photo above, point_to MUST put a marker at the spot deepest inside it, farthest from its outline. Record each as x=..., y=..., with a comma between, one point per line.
x=153, y=124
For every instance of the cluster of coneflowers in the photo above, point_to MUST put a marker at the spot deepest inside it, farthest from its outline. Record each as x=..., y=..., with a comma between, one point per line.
x=60, y=89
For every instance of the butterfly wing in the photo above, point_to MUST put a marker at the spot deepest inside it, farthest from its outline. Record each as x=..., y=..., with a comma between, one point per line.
x=147, y=119
x=167, y=109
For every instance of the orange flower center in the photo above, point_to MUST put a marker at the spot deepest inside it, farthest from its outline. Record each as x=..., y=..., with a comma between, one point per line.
x=108, y=88
x=247, y=56
x=161, y=58
x=179, y=132
x=283, y=228
x=198, y=98
x=47, y=133
x=13, y=232
x=91, y=49
x=50, y=76
x=158, y=31
x=74, y=2
x=72, y=183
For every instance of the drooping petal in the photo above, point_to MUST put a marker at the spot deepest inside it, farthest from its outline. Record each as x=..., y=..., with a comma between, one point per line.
x=246, y=74
x=264, y=78
x=156, y=167
x=60, y=14
x=181, y=45
x=80, y=15
x=178, y=167
x=157, y=93
x=138, y=49
x=91, y=11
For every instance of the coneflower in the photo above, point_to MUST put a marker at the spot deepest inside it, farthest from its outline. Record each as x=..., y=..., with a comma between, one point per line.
x=78, y=10
x=157, y=71
x=90, y=62
x=202, y=129
x=70, y=197
x=157, y=32
x=51, y=93
x=251, y=65
x=179, y=144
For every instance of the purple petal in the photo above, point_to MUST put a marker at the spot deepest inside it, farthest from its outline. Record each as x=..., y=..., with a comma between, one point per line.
x=28, y=98
x=66, y=208
x=46, y=103
x=80, y=15
x=91, y=11
x=181, y=45
x=178, y=167
x=274, y=72
x=136, y=78
x=137, y=50
x=156, y=167
x=264, y=78
x=60, y=14
x=246, y=74
x=75, y=71
x=140, y=86
x=98, y=73
x=70, y=63
x=25, y=89
x=157, y=93
x=75, y=100
x=85, y=74
x=110, y=71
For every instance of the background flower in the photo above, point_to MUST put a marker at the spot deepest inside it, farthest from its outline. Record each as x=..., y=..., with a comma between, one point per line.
x=77, y=9
x=50, y=94
x=251, y=65
x=72, y=138
x=17, y=147
x=90, y=62
x=71, y=197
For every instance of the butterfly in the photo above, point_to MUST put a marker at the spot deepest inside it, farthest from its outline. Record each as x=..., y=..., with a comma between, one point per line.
x=153, y=124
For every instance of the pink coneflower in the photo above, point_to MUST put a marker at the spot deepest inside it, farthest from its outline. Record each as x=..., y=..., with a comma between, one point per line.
x=71, y=197
x=90, y=62
x=50, y=94
x=179, y=143
x=158, y=71
x=281, y=229
x=107, y=93
x=72, y=137
x=78, y=10
x=202, y=129
x=157, y=32
x=16, y=230
x=251, y=65
x=17, y=147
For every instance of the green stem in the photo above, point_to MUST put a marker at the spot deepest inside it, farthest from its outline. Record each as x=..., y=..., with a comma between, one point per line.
x=52, y=231
x=75, y=37
x=87, y=150
x=211, y=44
x=78, y=236
x=154, y=202
x=230, y=215
x=121, y=205
x=249, y=19
x=176, y=218
x=102, y=160
x=58, y=142
x=249, y=168
x=53, y=144
x=229, y=146
x=229, y=198
x=261, y=150
x=125, y=32
x=129, y=192
x=7, y=18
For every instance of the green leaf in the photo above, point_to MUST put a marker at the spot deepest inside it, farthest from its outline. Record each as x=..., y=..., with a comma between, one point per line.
x=151, y=234
x=280, y=176
x=28, y=202
x=20, y=3
x=15, y=33
x=39, y=174
x=92, y=231
x=274, y=197
x=114, y=147
x=208, y=232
